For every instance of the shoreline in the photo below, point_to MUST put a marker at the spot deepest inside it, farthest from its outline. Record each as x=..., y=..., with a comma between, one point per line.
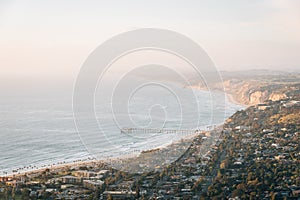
x=231, y=99
x=51, y=167
x=62, y=166
x=106, y=161
x=87, y=161
x=228, y=96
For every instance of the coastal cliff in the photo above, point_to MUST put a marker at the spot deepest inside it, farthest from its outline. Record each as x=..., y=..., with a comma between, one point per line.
x=255, y=87
x=255, y=93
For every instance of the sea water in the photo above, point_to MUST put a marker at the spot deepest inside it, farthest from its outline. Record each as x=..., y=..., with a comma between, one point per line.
x=41, y=131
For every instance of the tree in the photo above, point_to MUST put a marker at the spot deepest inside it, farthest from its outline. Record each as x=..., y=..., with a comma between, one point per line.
x=97, y=193
x=109, y=197
x=25, y=194
x=237, y=193
x=137, y=190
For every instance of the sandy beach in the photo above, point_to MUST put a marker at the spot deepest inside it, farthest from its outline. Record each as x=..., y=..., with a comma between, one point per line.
x=89, y=161
x=128, y=157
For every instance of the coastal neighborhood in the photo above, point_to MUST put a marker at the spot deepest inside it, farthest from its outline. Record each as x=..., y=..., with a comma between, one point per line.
x=255, y=156
x=150, y=100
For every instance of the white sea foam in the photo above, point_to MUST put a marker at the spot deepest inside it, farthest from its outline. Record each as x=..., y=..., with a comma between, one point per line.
x=40, y=134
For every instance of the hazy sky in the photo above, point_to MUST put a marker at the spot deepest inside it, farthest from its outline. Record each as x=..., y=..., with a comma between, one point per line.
x=55, y=37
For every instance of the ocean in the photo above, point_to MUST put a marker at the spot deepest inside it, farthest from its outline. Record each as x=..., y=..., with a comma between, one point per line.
x=41, y=131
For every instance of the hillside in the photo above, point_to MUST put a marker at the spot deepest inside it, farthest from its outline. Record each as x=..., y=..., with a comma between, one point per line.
x=262, y=153
x=257, y=86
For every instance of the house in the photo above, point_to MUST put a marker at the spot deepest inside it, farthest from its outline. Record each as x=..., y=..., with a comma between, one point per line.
x=242, y=128
x=238, y=163
x=84, y=173
x=103, y=172
x=274, y=145
x=4, y=179
x=92, y=184
x=291, y=104
x=124, y=194
x=262, y=106
x=11, y=183
x=70, y=179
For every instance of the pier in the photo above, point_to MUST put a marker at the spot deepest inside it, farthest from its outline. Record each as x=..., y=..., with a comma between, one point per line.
x=158, y=131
